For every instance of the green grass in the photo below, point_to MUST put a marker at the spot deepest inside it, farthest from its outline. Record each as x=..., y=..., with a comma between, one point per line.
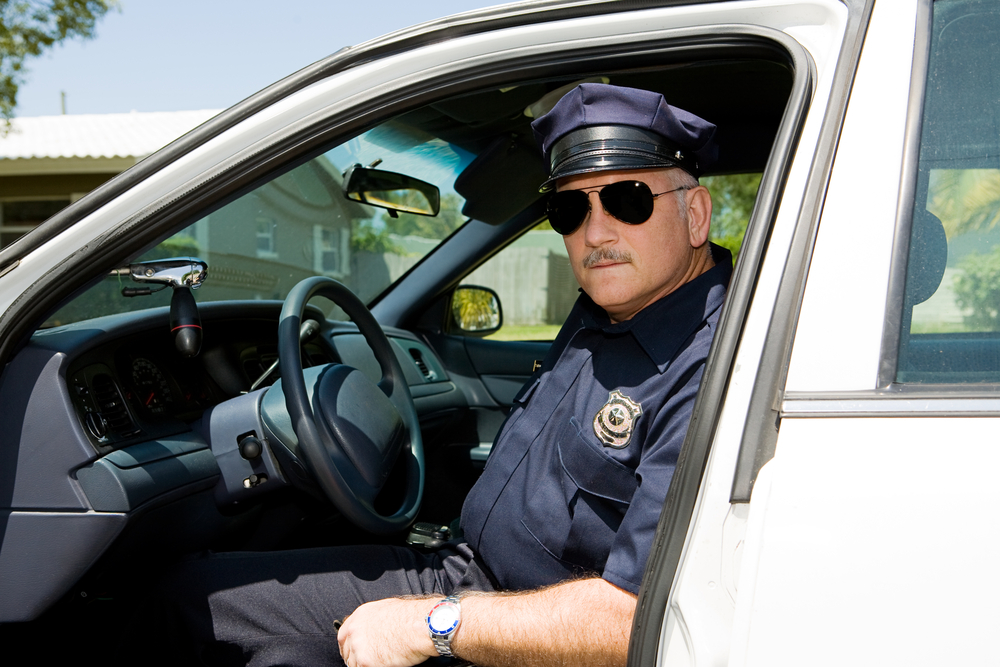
x=939, y=328
x=526, y=332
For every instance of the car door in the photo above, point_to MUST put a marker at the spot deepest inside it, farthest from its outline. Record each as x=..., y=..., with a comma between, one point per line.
x=848, y=517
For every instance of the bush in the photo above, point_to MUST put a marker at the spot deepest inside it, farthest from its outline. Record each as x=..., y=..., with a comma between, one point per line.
x=977, y=288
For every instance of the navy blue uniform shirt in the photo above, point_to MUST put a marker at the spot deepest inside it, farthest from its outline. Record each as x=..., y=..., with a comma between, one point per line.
x=555, y=500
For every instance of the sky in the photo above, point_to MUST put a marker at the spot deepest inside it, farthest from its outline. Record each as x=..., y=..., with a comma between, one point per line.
x=174, y=55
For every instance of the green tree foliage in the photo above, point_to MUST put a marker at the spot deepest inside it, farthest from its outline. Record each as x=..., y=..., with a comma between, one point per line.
x=364, y=238
x=733, y=197
x=28, y=27
x=438, y=227
x=475, y=309
x=965, y=200
x=178, y=245
x=977, y=288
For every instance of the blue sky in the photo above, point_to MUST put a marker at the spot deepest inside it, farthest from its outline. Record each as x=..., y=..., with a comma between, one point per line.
x=171, y=55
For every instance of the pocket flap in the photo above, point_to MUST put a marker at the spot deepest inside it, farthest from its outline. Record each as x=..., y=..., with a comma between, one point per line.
x=595, y=472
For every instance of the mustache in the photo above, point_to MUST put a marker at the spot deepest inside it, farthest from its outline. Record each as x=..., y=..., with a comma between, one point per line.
x=606, y=254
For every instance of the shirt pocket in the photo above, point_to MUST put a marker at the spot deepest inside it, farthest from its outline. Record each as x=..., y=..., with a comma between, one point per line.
x=596, y=492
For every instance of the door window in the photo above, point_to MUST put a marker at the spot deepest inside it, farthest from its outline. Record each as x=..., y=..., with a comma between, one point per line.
x=951, y=304
x=535, y=281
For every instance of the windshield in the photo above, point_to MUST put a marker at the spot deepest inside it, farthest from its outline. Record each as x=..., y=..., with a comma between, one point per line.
x=300, y=224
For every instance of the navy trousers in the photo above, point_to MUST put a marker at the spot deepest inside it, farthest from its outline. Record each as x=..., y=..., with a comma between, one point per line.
x=279, y=608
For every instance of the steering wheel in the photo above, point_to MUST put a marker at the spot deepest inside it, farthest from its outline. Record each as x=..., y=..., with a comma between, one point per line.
x=350, y=430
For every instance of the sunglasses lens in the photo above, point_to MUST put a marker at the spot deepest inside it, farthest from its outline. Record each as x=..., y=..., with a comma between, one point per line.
x=567, y=209
x=629, y=201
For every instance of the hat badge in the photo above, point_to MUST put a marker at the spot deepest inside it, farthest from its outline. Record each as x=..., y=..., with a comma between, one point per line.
x=614, y=422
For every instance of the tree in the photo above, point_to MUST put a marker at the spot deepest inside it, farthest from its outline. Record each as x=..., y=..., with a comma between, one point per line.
x=733, y=198
x=965, y=200
x=977, y=290
x=437, y=227
x=28, y=27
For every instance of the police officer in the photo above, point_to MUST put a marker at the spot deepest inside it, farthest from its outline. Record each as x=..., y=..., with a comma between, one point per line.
x=560, y=524
x=574, y=487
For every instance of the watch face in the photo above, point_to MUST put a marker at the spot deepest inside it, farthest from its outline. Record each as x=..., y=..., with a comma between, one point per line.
x=443, y=618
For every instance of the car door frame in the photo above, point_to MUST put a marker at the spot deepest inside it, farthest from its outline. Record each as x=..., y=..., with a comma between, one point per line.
x=649, y=632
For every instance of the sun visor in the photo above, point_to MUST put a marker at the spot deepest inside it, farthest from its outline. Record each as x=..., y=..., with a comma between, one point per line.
x=503, y=180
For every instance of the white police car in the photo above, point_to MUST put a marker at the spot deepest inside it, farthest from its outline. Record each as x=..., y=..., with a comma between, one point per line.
x=834, y=500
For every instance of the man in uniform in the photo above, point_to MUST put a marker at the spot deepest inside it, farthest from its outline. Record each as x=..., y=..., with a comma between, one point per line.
x=558, y=528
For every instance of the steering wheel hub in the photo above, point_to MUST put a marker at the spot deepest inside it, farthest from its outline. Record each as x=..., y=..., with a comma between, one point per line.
x=361, y=420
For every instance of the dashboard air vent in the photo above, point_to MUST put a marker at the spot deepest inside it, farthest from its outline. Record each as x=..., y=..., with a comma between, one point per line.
x=112, y=406
x=418, y=359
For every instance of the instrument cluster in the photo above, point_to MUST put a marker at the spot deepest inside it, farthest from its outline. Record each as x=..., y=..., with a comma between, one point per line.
x=157, y=389
x=137, y=387
x=136, y=392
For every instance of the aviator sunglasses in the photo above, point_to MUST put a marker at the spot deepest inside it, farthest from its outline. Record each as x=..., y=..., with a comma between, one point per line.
x=628, y=201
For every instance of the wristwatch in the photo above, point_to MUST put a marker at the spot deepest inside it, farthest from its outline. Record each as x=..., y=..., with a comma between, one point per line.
x=443, y=622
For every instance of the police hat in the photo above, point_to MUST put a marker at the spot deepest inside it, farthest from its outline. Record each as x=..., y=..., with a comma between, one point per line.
x=597, y=127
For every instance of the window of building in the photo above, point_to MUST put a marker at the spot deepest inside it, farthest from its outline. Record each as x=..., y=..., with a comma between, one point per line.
x=331, y=247
x=20, y=216
x=265, y=238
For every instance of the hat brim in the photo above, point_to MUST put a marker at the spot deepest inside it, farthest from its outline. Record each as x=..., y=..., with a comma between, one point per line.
x=613, y=148
x=605, y=161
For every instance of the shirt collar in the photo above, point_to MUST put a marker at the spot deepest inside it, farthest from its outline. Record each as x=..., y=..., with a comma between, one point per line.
x=662, y=327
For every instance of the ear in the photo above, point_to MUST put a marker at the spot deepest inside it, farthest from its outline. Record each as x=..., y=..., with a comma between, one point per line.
x=699, y=203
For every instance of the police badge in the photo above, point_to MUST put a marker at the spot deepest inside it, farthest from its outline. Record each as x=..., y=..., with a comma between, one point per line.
x=613, y=422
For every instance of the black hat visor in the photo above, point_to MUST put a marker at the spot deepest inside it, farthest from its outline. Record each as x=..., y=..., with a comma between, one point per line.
x=613, y=148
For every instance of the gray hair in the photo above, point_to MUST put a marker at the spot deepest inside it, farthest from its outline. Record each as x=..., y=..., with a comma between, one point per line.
x=682, y=179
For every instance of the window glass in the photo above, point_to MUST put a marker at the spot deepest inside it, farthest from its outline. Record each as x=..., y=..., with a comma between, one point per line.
x=951, y=310
x=301, y=224
x=535, y=281
x=733, y=197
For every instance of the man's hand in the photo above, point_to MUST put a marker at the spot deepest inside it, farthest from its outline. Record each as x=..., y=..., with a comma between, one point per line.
x=387, y=633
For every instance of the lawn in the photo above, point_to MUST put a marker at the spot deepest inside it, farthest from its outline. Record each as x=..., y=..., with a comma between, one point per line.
x=526, y=332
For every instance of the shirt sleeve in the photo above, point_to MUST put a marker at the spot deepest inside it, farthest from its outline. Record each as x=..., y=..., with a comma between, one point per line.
x=664, y=437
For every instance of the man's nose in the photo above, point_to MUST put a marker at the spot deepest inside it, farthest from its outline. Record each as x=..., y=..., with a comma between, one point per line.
x=600, y=228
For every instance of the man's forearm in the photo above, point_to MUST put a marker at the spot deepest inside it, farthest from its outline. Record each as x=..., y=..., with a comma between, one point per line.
x=583, y=622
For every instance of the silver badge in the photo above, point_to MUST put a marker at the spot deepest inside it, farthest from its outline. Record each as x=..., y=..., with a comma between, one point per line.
x=613, y=422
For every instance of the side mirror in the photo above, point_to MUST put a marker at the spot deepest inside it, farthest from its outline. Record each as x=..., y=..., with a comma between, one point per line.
x=475, y=311
x=391, y=191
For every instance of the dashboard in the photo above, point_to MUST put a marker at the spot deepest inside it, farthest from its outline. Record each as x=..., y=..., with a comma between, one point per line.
x=106, y=424
x=136, y=386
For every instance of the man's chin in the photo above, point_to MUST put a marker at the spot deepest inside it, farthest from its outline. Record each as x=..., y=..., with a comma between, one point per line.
x=611, y=302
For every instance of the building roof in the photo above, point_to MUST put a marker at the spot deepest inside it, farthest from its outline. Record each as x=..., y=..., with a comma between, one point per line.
x=89, y=143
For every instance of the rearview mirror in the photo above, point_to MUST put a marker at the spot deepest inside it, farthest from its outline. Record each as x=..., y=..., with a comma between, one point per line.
x=391, y=191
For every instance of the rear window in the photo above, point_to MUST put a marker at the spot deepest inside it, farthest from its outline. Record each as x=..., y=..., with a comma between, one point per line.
x=951, y=309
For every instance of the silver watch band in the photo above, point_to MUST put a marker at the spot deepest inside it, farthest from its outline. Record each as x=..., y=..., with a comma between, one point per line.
x=443, y=646
x=442, y=642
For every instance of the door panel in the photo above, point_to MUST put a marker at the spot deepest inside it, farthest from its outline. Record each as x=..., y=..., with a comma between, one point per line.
x=872, y=541
x=504, y=366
